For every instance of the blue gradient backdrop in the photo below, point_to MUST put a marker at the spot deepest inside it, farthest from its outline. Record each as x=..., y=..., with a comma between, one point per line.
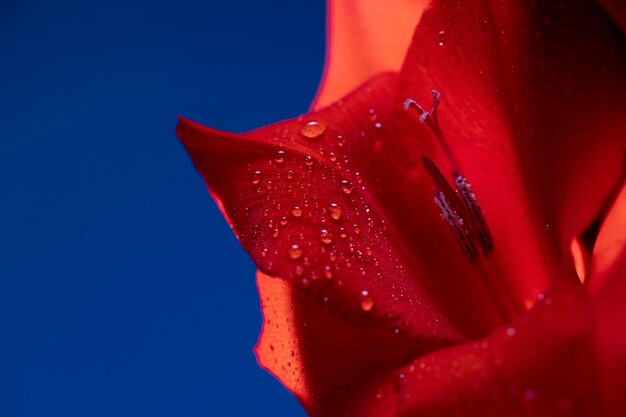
x=122, y=290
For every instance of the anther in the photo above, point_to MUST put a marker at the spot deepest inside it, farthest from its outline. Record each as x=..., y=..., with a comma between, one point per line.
x=456, y=225
x=452, y=210
x=475, y=213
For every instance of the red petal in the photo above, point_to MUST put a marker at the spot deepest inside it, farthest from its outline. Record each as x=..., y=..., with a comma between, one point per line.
x=608, y=286
x=331, y=365
x=610, y=322
x=617, y=10
x=365, y=38
x=533, y=104
x=353, y=259
x=610, y=244
x=541, y=365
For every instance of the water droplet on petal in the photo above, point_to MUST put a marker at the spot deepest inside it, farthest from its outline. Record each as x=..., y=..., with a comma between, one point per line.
x=290, y=175
x=326, y=237
x=280, y=157
x=283, y=221
x=510, y=331
x=296, y=212
x=379, y=394
x=335, y=211
x=356, y=229
x=347, y=187
x=366, y=300
x=332, y=156
x=308, y=160
x=312, y=129
x=342, y=233
x=256, y=177
x=327, y=272
x=442, y=37
x=340, y=140
x=295, y=251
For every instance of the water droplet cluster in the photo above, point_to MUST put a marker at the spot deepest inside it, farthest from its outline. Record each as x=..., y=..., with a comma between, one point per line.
x=314, y=218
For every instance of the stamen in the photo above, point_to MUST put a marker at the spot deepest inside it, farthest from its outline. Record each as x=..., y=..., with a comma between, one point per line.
x=456, y=225
x=452, y=210
x=460, y=210
x=475, y=213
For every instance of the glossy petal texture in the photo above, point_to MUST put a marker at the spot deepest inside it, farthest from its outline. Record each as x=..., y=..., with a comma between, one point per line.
x=611, y=243
x=300, y=199
x=533, y=106
x=365, y=38
x=610, y=313
x=542, y=364
x=329, y=364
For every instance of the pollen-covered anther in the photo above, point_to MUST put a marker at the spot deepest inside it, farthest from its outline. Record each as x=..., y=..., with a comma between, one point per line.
x=456, y=225
x=479, y=223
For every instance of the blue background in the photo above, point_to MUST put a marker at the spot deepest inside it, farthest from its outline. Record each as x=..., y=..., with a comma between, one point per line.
x=122, y=290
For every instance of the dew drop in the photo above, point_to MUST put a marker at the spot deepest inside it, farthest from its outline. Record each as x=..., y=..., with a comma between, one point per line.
x=342, y=233
x=290, y=175
x=256, y=177
x=275, y=233
x=283, y=221
x=356, y=229
x=326, y=237
x=529, y=395
x=347, y=187
x=295, y=251
x=379, y=394
x=335, y=211
x=340, y=140
x=296, y=212
x=332, y=156
x=327, y=272
x=366, y=301
x=442, y=37
x=280, y=157
x=299, y=270
x=308, y=160
x=312, y=129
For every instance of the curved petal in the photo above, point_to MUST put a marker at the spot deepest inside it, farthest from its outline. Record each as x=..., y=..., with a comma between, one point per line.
x=297, y=200
x=533, y=106
x=610, y=319
x=611, y=243
x=330, y=365
x=364, y=38
x=617, y=10
x=540, y=365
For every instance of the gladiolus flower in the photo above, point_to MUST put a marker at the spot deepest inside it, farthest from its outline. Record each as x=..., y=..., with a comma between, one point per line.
x=443, y=234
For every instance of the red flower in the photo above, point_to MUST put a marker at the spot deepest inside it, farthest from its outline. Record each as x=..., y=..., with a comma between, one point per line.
x=374, y=305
